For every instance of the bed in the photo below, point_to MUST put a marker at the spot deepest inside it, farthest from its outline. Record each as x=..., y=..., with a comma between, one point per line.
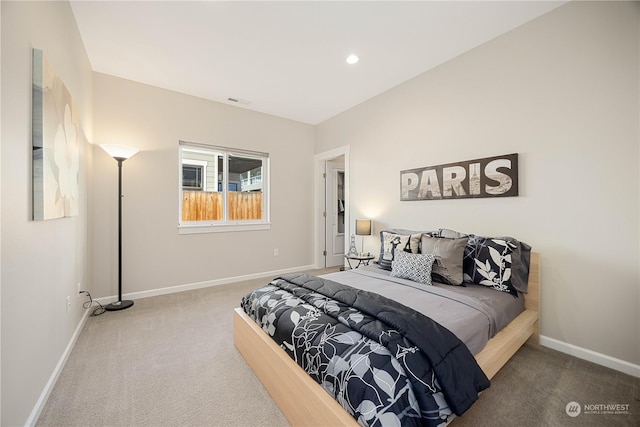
x=304, y=402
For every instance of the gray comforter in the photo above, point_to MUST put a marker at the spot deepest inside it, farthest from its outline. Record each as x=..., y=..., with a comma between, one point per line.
x=473, y=313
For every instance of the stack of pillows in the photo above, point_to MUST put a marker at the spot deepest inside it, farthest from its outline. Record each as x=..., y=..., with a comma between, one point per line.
x=454, y=258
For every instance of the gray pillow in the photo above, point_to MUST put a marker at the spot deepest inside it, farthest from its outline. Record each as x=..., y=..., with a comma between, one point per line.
x=451, y=234
x=448, y=253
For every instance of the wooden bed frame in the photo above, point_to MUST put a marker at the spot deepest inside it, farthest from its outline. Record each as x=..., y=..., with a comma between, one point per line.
x=305, y=403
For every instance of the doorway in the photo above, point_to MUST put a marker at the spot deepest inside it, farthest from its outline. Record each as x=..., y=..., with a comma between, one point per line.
x=331, y=207
x=334, y=212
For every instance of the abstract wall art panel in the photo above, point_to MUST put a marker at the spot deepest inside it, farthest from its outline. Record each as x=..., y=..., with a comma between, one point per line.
x=56, y=146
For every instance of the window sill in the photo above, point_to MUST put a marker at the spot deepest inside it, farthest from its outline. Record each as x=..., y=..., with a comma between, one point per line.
x=221, y=228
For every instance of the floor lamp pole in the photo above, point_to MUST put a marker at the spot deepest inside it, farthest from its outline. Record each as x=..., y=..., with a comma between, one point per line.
x=119, y=305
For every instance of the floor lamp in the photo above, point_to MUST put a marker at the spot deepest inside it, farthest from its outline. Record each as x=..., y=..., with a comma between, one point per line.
x=120, y=153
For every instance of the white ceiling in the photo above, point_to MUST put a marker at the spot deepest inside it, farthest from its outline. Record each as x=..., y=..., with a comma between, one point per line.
x=288, y=58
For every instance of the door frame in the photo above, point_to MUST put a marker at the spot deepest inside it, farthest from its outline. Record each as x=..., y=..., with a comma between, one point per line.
x=319, y=203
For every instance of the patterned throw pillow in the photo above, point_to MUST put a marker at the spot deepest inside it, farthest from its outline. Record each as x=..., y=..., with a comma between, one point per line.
x=391, y=243
x=416, y=267
x=487, y=261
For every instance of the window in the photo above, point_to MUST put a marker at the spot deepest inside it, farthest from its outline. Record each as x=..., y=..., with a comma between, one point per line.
x=222, y=189
x=192, y=173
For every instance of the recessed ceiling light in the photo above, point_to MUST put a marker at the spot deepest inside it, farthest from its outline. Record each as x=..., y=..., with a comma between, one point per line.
x=352, y=59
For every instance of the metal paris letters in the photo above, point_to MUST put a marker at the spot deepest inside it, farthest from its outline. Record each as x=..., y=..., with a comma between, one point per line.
x=488, y=177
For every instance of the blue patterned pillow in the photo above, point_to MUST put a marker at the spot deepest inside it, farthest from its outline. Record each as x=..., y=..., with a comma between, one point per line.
x=416, y=267
x=487, y=261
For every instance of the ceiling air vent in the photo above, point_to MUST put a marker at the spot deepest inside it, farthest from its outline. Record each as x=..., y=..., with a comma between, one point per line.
x=239, y=101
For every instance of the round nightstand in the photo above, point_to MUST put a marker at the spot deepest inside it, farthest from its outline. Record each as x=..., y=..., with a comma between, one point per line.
x=362, y=259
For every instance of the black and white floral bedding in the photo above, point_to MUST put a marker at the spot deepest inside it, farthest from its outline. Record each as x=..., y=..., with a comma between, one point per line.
x=385, y=363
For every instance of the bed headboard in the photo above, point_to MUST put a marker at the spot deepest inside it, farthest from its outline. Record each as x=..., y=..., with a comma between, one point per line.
x=532, y=298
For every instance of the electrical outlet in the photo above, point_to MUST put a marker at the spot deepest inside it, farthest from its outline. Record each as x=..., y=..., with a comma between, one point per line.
x=68, y=303
x=275, y=252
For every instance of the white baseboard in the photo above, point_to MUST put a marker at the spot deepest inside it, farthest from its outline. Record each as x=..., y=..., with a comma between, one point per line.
x=42, y=400
x=591, y=356
x=200, y=285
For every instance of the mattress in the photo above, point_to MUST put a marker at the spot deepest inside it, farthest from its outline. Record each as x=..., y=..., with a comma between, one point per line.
x=474, y=313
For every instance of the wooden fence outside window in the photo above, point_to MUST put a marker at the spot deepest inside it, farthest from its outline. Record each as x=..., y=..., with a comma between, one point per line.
x=207, y=205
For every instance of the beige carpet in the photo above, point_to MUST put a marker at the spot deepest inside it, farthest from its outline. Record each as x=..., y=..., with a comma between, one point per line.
x=170, y=360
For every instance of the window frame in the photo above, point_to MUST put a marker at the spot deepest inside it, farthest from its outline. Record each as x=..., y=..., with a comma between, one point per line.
x=224, y=225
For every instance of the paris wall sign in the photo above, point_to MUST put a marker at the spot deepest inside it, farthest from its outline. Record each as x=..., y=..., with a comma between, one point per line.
x=489, y=177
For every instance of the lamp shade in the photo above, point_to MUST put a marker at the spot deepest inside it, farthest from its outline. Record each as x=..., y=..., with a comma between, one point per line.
x=119, y=151
x=363, y=227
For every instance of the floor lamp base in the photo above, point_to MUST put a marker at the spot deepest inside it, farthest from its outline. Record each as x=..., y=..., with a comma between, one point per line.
x=118, y=305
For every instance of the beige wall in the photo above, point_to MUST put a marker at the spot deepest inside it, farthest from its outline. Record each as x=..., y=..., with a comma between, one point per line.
x=563, y=92
x=154, y=254
x=42, y=261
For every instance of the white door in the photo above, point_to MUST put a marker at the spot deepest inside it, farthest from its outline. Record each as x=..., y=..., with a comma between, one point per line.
x=335, y=213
